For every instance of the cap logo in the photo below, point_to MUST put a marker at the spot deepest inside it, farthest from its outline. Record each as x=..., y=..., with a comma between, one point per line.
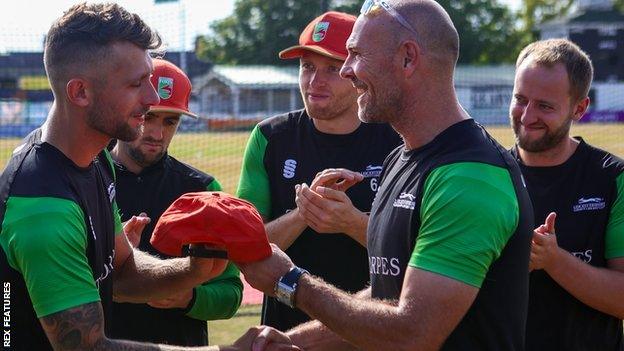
x=165, y=87
x=320, y=31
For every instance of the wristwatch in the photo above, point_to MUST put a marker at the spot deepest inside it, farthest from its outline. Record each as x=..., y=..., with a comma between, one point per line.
x=286, y=287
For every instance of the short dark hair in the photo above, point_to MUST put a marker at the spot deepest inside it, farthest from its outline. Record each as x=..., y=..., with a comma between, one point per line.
x=81, y=35
x=577, y=63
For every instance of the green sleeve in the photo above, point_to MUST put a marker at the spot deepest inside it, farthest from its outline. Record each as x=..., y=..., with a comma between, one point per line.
x=117, y=218
x=45, y=241
x=214, y=186
x=218, y=298
x=468, y=213
x=254, y=180
x=614, y=237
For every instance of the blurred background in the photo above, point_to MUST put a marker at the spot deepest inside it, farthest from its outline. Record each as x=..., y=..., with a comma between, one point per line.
x=229, y=50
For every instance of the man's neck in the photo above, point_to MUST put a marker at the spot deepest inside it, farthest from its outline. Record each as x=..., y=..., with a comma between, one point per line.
x=71, y=135
x=551, y=157
x=344, y=123
x=420, y=122
x=122, y=157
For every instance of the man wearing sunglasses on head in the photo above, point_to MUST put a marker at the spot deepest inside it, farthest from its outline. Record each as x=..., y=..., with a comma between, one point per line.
x=325, y=235
x=450, y=228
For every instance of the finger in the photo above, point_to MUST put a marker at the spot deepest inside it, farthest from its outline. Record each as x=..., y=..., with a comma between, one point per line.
x=281, y=347
x=539, y=239
x=332, y=194
x=269, y=336
x=345, y=184
x=332, y=176
x=314, y=198
x=550, y=222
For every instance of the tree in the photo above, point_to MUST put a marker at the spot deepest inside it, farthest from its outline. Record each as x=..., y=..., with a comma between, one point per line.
x=488, y=32
x=259, y=29
x=535, y=12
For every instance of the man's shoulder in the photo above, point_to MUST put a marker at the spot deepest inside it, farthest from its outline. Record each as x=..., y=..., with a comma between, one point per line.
x=41, y=174
x=602, y=160
x=187, y=172
x=282, y=123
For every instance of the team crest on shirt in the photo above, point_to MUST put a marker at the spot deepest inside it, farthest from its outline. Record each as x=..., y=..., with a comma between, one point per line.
x=405, y=200
x=589, y=204
x=165, y=87
x=320, y=31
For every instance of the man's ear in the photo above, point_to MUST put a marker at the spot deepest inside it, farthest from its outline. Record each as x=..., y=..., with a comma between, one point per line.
x=580, y=108
x=78, y=92
x=410, y=56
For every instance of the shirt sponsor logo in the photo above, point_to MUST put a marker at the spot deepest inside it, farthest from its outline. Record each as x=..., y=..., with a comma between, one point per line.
x=372, y=171
x=111, y=192
x=585, y=256
x=290, y=166
x=406, y=201
x=384, y=266
x=589, y=204
x=108, y=269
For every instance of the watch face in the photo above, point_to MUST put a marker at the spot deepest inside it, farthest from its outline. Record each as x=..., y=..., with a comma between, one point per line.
x=284, y=293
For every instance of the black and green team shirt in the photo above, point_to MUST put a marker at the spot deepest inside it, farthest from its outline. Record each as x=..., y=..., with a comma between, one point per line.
x=457, y=207
x=587, y=192
x=58, y=236
x=286, y=150
x=152, y=191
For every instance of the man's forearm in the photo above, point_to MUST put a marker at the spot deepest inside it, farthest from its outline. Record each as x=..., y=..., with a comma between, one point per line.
x=599, y=288
x=359, y=227
x=314, y=336
x=144, y=278
x=284, y=230
x=368, y=324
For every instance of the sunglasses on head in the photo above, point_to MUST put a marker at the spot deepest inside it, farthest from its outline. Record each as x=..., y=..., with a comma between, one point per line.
x=371, y=5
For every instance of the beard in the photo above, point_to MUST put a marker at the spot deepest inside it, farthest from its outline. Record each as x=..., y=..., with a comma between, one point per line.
x=141, y=158
x=549, y=140
x=103, y=118
x=380, y=109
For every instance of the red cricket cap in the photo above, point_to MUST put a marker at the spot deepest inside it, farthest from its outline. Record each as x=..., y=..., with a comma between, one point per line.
x=173, y=88
x=216, y=219
x=326, y=35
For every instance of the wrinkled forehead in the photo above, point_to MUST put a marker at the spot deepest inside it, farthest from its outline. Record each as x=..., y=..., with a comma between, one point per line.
x=361, y=33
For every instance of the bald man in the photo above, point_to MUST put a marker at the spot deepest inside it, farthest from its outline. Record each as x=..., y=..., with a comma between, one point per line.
x=450, y=228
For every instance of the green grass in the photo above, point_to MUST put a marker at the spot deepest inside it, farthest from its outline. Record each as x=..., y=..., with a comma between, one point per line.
x=220, y=154
x=224, y=332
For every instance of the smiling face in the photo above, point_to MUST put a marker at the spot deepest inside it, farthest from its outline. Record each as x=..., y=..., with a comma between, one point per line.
x=541, y=111
x=370, y=68
x=325, y=94
x=122, y=92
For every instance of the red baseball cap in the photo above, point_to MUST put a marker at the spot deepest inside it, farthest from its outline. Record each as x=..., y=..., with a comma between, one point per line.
x=326, y=35
x=173, y=88
x=216, y=219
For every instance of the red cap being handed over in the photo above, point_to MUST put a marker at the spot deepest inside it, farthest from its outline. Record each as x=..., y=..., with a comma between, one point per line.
x=216, y=219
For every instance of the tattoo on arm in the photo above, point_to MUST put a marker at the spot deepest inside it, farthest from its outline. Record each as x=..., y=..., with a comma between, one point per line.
x=82, y=328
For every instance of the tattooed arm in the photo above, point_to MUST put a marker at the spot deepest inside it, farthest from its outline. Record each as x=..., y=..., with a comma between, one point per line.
x=82, y=328
x=139, y=277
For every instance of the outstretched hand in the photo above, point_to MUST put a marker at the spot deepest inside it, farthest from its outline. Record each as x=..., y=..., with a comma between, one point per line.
x=134, y=227
x=263, y=338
